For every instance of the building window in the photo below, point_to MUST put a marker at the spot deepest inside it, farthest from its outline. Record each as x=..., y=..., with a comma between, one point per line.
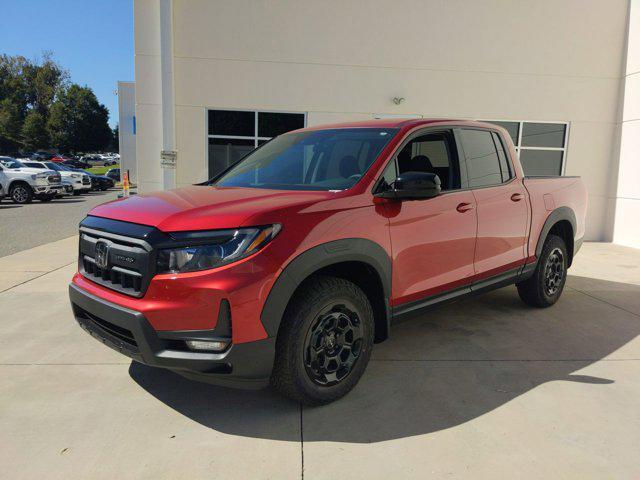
x=541, y=146
x=233, y=133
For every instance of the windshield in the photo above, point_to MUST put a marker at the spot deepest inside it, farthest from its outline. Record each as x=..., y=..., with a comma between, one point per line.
x=12, y=163
x=313, y=160
x=34, y=165
x=56, y=167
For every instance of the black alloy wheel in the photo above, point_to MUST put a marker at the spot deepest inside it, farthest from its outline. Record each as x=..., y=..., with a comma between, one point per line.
x=333, y=345
x=554, y=272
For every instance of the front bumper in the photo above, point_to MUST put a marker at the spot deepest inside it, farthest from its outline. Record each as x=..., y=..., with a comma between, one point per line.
x=48, y=189
x=245, y=365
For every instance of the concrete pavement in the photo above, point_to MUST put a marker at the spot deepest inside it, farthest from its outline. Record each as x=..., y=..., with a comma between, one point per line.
x=483, y=388
x=27, y=226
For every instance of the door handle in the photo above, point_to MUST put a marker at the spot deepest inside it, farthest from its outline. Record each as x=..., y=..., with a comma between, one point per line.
x=464, y=207
x=516, y=197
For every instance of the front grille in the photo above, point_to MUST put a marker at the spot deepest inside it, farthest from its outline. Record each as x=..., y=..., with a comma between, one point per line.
x=54, y=178
x=125, y=279
x=86, y=180
x=116, y=262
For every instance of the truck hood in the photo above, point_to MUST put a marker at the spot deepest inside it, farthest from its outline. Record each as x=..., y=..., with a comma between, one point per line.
x=203, y=207
x=29, y=170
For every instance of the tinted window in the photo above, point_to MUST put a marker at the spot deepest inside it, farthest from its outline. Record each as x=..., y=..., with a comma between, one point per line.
x=483, y=166
x=388, y=176
x=431, y=153
x=541, y=162
x=543, y=135
x=228, y=122
x=224, y=152
x=511, y=127
x=271, y=124
x=314, y=160
x=34, y=165
x=505, y=166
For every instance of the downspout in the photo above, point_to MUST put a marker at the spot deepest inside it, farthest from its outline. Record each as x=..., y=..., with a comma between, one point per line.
x=166, y=78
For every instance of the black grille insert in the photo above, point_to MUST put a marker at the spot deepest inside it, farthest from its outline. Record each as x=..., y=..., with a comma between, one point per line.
x=116, y=331
x=113, y=277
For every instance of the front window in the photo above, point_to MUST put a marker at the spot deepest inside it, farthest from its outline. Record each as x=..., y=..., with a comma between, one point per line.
x=12, y=163
x=313, y=160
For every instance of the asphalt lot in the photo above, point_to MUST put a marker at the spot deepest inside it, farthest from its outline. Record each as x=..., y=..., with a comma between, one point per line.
x=27, y=226
x=485, y=388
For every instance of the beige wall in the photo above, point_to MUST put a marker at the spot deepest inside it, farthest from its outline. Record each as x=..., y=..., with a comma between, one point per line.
x=627, y=213
x=340, y=60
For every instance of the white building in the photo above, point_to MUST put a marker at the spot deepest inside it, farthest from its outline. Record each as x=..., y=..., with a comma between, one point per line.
x=214, y=77
x=127, y=129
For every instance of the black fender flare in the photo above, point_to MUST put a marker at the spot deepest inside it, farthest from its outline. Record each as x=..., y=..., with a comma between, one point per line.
x=557, y=215
x=320, y=256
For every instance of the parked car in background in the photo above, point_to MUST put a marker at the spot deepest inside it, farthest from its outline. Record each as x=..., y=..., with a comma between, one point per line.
x=98, y=182
x=113, y=174
x=286, y=268
x=23, y=184
x=80, y=181
x=42, y=156
x=98, y=160
x=73, y=163
x=60, y=158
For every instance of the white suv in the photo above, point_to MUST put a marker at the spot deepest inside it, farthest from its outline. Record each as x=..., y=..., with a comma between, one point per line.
x=81, y=182
x=23, y=184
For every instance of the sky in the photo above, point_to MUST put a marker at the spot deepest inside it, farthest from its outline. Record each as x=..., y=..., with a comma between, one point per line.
x=91, y=39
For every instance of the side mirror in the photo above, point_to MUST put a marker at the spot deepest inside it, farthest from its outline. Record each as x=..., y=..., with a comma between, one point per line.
x=413, y=186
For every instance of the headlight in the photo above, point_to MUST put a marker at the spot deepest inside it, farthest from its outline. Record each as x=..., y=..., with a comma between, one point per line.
x=76, y=175
x=41, y=175
x=214, y=249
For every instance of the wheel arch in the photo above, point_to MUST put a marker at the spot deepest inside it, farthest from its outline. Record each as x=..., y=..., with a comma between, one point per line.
x=359, y=260
x=16, y=181
x=560, y=222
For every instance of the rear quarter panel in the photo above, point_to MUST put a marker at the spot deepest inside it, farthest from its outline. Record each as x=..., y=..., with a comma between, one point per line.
x=549, y=193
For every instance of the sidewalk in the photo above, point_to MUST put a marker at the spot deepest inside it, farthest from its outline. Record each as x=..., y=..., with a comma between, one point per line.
x=33, y=263
x=480, y=389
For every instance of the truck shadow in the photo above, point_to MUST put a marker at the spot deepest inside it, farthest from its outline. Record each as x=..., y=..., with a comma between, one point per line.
x=437, y=371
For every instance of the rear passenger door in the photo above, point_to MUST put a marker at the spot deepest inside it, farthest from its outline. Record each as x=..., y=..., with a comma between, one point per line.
x=501, y=203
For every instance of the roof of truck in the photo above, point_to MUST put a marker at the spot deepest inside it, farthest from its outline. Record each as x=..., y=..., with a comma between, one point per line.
x=394, y=123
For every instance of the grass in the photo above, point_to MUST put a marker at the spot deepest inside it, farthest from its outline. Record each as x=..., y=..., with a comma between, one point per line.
x=101, y=170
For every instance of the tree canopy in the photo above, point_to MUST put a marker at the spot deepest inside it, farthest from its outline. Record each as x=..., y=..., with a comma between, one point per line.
x=41, y=109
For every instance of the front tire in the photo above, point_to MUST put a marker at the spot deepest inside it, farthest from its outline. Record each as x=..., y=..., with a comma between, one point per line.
x=21, y=193
x=324, y=342
x=545, y=286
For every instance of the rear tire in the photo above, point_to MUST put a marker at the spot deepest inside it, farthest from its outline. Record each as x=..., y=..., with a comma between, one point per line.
x=545, y=286
x=324, y=342
x=21, y=193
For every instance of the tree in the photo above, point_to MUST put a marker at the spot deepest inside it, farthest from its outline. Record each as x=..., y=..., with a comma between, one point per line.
x=114, y=146
x=11, y=119
x=78, y=122
x=34, y=132
x=27, y=87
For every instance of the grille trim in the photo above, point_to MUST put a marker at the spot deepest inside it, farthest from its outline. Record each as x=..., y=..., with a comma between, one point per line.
x=129, y=262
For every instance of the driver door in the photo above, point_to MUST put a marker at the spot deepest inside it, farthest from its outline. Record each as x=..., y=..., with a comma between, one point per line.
x=432, y=240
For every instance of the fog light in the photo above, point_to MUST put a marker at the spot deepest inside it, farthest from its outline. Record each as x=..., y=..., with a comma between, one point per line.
x=207, y=345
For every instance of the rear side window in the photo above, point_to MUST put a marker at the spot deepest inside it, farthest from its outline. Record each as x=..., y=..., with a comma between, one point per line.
x=505, y=167
x=483, y=164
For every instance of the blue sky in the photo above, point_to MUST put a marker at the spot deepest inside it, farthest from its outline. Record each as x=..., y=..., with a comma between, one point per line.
x=92, y=39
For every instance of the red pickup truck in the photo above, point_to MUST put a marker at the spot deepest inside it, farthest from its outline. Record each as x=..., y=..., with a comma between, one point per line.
x=288, y=266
